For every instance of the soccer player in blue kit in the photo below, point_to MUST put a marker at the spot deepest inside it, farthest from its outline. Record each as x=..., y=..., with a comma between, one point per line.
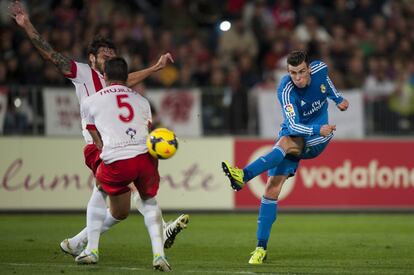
x=304, y=134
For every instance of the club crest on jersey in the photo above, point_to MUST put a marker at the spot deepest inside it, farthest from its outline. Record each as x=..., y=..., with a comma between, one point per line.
x=323, y=88
x=131, y=132
x=289, y=110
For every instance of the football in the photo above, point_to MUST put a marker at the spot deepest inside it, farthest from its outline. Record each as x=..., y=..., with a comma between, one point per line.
x=162, y=143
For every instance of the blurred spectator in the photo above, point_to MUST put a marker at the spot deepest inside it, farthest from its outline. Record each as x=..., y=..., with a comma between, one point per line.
x=339, y=15
x=177, y=18
x=365, y=9
x=378, y=84
x=236, y=42
x=284, y=15
x=377, y=88
x=344, y=33
x=3, y=73
x=402, y=100
x=19, y=114
x=238, y=105
x=310, y=8
x=310, y=29
x=355, y=73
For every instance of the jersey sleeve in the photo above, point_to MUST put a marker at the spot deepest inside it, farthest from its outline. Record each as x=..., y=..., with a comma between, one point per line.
x=89, y=119
x=333, y=94
x=78, y=72
x=290, y=112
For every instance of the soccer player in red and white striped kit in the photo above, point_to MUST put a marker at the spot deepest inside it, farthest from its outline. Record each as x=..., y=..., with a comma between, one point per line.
x=88, y=79
x=119, y=119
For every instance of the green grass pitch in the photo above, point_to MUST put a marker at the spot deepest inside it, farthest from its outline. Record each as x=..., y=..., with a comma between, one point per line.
x=219, y=244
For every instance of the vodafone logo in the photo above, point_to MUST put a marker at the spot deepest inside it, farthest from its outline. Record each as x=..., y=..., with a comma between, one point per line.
x=346, y=176
x=257, y=185
x=349, y=174
x=373, y=175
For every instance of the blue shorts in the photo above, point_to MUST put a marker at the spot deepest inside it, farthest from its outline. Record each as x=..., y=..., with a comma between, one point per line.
x=314, y=146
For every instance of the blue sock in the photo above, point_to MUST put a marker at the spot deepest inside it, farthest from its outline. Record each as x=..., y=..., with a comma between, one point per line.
x=264, y=163
x=267, y=216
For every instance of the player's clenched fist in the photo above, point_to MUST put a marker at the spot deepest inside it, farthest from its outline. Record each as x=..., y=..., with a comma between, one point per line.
x=327, y=129
x=343, y=105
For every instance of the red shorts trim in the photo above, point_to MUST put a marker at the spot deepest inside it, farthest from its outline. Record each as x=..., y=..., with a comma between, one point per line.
x=91, y=154
x=142, y=170
x=91, y=127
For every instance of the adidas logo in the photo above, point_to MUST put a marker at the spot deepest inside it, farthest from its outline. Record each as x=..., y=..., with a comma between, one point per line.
x=302, y=103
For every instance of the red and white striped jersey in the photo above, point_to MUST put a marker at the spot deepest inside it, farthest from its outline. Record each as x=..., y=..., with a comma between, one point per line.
x=87, y=82
x=122, y=117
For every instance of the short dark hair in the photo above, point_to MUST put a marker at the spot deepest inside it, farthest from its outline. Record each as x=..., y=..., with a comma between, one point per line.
x=296, y=58
x=100, y=42
x=116, y=69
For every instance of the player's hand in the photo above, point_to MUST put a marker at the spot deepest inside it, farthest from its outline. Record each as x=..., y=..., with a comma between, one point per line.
x=343, y=105
x=327, y=129
x=19, y=14
x=163, y=61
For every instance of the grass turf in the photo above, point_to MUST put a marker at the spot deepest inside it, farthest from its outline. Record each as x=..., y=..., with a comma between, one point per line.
x=219, y=244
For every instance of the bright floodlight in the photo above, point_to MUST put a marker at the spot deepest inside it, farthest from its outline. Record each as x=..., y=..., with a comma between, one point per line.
x=225, y=26
x=17, y=102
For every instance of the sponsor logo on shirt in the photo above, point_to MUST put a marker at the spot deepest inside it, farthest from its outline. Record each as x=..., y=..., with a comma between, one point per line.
x=316, y=106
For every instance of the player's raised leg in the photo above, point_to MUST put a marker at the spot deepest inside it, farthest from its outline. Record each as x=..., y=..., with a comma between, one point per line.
x=238, y=177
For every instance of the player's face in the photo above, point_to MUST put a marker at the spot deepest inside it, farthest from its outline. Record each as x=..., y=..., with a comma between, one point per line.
x=300, y=74
x=102, y=55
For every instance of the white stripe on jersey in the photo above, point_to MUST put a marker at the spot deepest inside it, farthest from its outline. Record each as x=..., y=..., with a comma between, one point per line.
x=336, y=93
x=317, y=68
x=318, y=140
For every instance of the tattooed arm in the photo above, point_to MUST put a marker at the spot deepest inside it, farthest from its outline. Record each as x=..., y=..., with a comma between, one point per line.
x=21, y=17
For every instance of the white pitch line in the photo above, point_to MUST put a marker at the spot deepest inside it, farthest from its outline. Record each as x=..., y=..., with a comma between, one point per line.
x=126, y=268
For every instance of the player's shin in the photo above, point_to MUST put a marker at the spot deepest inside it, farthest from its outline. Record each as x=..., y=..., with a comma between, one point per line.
x=139, y=205
x=153, y=222
x=267, y=216
x=95, y=217
x=96, y=198
x=264, y=163
x=109, y=221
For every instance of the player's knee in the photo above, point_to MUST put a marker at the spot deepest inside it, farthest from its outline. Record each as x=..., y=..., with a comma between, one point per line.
x=291, y=145
x=120, y=214
x=295, y=151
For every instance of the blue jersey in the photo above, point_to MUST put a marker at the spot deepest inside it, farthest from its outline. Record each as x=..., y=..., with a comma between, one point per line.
x=305, y=110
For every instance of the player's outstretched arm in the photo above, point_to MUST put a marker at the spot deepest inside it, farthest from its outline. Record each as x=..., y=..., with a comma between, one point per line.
x=343, y=106
x=138, y=76
x=20, y=15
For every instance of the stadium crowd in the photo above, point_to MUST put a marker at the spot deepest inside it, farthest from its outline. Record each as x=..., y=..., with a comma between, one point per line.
x=367, y=44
